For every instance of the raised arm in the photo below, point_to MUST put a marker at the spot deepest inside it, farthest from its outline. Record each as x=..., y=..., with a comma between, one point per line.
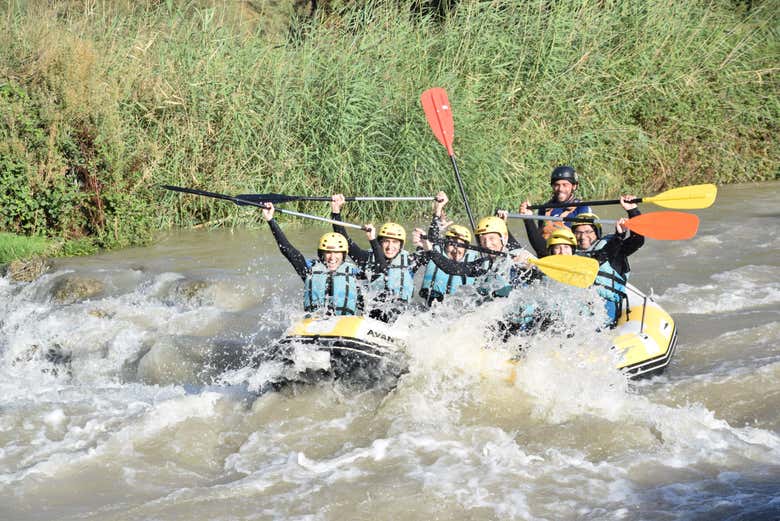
x=360, y=255
x=439, y=221
x=634, y=241
x=289, y=251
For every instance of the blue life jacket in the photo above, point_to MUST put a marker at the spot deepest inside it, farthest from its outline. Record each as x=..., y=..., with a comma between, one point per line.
x=611, y=284
x=399, y=279
x=336, y=291
x=436, y=283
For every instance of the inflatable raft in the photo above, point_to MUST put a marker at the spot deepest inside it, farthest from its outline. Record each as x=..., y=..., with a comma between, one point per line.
x=357, y=348
x=360, y=347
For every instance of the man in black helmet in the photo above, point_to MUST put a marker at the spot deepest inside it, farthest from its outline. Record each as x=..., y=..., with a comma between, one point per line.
x=564, y=183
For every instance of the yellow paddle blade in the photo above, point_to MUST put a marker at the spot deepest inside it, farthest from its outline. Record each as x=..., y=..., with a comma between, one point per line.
x=686, y=197
x=573, y=270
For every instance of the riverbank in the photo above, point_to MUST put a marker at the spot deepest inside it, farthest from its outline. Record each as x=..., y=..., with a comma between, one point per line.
x=103, y=102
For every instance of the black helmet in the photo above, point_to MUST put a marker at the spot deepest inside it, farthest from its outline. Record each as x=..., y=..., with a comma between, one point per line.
x=564, y=173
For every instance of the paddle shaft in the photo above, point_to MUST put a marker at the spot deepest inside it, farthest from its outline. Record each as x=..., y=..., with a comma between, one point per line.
x=463, y=193
x=374, y=198
x=559, y=218
x=580, y=203
x=272, y=198
x=244, y=202
x=323, y=219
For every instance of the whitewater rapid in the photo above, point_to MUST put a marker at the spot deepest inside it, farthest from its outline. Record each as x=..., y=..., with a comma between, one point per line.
x=156, y=416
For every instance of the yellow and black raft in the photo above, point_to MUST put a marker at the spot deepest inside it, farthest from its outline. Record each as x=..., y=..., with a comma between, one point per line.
x=365, y=349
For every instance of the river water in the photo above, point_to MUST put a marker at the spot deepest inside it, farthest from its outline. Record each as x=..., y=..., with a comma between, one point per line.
x=154, y=417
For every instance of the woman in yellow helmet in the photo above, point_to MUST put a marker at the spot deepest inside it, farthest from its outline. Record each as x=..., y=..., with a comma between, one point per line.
x=436, y=282
x=390, y=270
x=331, y=283
x=561, y=242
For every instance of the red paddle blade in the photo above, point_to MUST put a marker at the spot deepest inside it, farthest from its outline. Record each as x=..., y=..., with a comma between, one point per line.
x=439, y=116
x=665, y=226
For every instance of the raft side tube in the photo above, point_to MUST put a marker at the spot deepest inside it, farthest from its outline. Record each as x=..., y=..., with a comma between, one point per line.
x=646, y=337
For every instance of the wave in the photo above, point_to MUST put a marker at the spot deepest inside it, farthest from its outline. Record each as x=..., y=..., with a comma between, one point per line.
x=742, y=288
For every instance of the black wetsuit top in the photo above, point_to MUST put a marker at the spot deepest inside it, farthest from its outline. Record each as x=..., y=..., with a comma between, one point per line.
x=618, y=248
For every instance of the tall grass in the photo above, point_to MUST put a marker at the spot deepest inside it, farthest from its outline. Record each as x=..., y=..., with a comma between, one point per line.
x=18, y=247
x=103, y=101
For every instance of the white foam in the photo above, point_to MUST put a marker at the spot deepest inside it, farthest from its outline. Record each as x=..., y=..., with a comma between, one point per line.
x=55, y=418
x=742, y=288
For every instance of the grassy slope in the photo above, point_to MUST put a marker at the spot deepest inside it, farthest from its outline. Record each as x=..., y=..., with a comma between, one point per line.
x=105, y=100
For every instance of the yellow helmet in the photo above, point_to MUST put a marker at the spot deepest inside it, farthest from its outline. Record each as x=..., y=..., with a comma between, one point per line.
x=491, y=225
x=458, y=232
x=392, y=231
x=333, y=242
x=562, y=236
x=596, y=226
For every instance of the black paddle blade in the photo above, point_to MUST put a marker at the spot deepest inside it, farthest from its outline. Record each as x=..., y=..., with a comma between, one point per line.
x=197, y=192
x=264, y=198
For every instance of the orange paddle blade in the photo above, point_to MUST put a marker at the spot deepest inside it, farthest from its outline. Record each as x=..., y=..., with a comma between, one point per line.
x=665, y=226
x=439, y=115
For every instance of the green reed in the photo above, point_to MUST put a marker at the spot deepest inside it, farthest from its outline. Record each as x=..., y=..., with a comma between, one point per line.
x=102, y=102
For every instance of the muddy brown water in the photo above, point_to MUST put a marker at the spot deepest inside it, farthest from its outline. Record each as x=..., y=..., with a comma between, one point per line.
x=154, y=421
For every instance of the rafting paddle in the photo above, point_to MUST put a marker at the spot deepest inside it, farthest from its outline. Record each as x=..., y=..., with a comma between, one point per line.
x=663, y=226
x=245, y=202
x=693, y=197
x=284, y=198
x=573, y=270
x=439, y=115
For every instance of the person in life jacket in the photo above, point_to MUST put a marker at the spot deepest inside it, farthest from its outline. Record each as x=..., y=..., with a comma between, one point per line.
x=611, y=252
x=436, y=283
x=332, y=284
x=390, y=270
x=564, y=182
x=496, y=274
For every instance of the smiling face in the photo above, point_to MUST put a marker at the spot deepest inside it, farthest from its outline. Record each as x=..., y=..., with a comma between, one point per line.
x=455, y=251
x=585, y=235
x=390, y=247
x=332, y=259
x=562, y=190
x=493, y=241
x=560, y=249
